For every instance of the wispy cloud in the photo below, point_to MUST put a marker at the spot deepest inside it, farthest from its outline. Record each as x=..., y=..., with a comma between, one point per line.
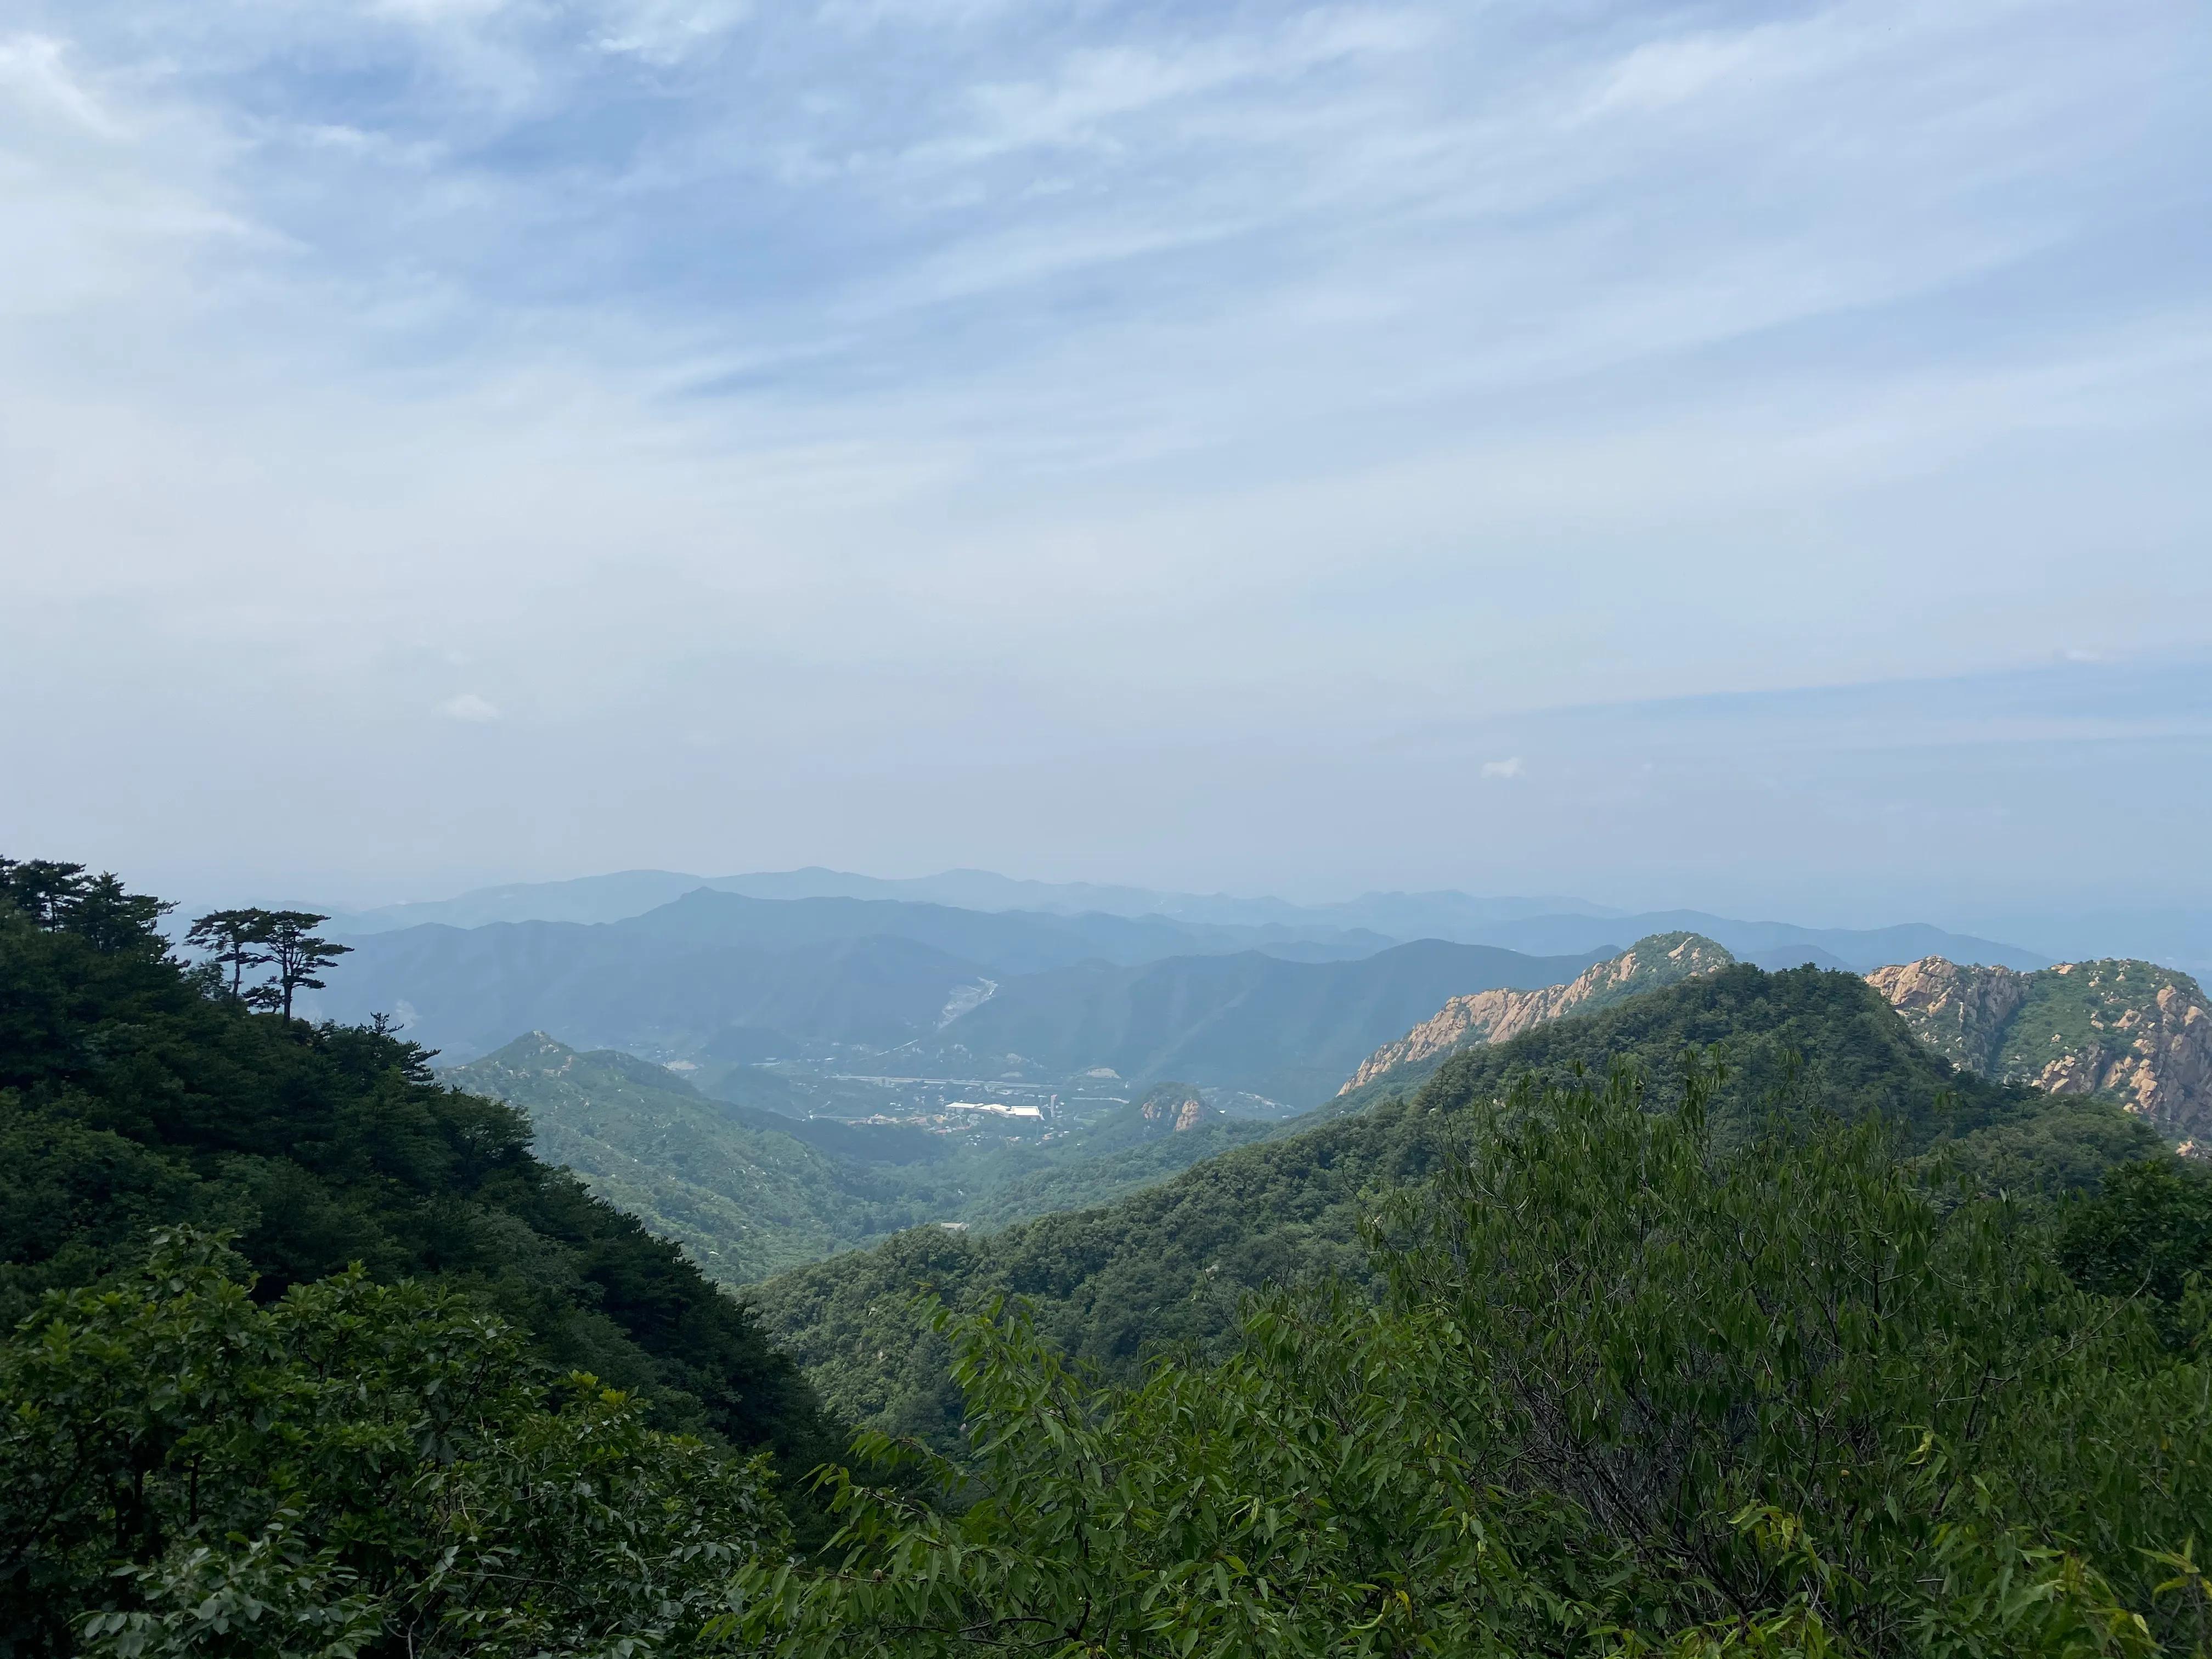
x=469, y=707
x=891, y=380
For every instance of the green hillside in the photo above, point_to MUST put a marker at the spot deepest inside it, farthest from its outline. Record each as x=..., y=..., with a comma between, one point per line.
x=743, y=1199
x=134, y=1093
x=1625, y=1387
x=748, y=1193
x=1172, y=1265
x=1290, y=1031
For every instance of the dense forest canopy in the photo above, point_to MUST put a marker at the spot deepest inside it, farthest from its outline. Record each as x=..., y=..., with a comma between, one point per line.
x=1630, y=1386
x=1807, y=1346
x=136, y=1093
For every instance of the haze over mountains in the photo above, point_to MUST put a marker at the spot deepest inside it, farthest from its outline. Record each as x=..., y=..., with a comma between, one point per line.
x=774, y=1069
x=1275, y=1001
x=1542, y=925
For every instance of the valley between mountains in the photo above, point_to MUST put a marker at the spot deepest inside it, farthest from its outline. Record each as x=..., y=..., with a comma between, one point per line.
x=771, y=1081
x=600, y=1309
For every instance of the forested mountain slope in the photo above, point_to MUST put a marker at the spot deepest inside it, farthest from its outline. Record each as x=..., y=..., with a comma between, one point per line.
x=1288, y=1031
x=748, y=1193
x=135, y=1093
x=1172, y=1264
x=467, y=991
x=1845, y=1411
x=743, y=1196
x=1004, y=942
x=2131, y=1030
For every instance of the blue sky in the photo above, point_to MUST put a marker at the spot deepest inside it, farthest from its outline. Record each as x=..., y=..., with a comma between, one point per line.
x=1707, y=454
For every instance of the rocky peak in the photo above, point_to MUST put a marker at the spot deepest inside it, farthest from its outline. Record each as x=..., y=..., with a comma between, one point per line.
x=1494, y=1016
x=1961, y=1012
x=2131, y=1030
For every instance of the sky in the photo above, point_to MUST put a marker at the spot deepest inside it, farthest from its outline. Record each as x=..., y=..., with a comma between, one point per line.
x=1749, y=457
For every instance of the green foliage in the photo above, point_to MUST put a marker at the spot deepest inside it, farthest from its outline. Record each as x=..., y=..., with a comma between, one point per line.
x=351, y=1469
x=2147, y=1233
x=63, y=899
x=136, y=1093
x=1627, y=1391
x=1171, y=1265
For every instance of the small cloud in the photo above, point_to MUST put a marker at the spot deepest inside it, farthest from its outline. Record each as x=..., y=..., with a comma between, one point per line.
x=472, y=707
x=1670, y=72
x=1502, y=769
x=2075, y=653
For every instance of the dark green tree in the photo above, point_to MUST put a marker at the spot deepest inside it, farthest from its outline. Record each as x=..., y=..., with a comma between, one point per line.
x=2147, y=1234
x=42, y=888
x=134, y=1094
x=110, y=918
x=288, y=940
x=234, y=940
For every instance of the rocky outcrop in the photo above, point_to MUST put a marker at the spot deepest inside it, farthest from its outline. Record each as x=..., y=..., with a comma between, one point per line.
x=1173, y=1108
x=2136, y=1032
x=1961, y=1012
x=1494, y=1016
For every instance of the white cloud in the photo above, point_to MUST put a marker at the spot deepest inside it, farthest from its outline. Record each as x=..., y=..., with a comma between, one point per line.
x=663, y=32
x=1035, y=380
x=1670, y=72
x=34, y=75
x=469, y=707
x=1509, y=768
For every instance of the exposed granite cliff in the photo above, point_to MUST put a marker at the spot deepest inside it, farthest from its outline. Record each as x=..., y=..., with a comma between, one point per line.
x=1169, y=1108
x=1494, y=1016
x=2131, y=1029
x=1173, y=1107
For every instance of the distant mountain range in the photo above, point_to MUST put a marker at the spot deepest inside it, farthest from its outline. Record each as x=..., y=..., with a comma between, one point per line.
x=632, y=892
x=1282, y=1003
x=805, y=972
x=724, y=976
x=1541, y=926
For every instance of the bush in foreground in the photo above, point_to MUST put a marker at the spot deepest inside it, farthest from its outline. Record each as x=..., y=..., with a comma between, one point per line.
x=1625, y=1393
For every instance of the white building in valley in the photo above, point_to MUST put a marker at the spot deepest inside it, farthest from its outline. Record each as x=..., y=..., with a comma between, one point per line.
x=994, y=1107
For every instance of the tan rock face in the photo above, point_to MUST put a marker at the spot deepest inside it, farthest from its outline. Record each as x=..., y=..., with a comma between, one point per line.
x=2131, y=1029
x=1494, y=1016
x=1960, y=1013
x=1186, y=1114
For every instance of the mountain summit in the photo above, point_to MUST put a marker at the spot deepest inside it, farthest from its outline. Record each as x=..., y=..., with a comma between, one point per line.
x=2132, y=1029
x=1494, y=1016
